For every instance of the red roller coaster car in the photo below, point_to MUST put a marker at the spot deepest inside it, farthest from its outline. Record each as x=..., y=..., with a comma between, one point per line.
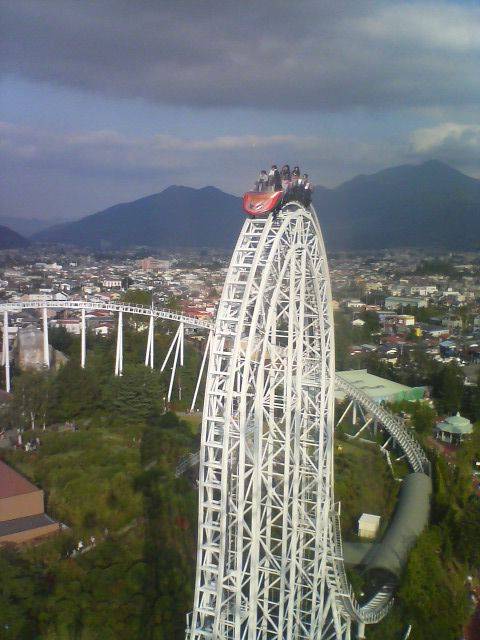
x=261, y=203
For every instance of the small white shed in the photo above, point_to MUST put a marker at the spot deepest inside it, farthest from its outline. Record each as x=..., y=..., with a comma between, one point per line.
x=368, y=525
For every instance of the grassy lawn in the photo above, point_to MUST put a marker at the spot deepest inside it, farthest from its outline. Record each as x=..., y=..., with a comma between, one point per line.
x=363, y=484
x=86, y=475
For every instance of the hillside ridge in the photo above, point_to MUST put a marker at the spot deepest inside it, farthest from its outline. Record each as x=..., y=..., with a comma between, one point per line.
x=429, y=204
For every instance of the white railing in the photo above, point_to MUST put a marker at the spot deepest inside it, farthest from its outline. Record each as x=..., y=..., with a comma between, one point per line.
x=107, y=306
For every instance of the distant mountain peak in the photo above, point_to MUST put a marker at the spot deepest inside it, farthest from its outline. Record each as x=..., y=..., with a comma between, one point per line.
x=178, y=216
x=10, y=239
x=422, y=204
x=427, y=204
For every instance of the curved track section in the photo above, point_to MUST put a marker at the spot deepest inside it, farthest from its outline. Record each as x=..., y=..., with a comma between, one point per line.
x=265, y=544
x=416, y=457
x=162, y=314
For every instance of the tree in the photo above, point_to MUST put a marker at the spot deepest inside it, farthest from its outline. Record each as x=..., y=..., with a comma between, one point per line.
x=472, y=401
x=60, y=339
x=372, y=323
x=32, y=392
x=137, y=395
x=423, y=417
x=138, y=297
x=468, y=532
x=76, y=392
x=448, y=388
x=434, y=599
x=343, y=341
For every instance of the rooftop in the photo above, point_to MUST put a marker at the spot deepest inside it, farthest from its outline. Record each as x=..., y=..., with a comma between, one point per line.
x=27, y=523
x=12, y=483
x=380, y=389
x=369, y=518
x=456, y=424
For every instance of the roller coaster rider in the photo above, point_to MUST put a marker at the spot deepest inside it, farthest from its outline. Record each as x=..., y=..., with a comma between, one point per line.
x=274, y=179
x=306, y=191
x=273, y=191
x=262, y=181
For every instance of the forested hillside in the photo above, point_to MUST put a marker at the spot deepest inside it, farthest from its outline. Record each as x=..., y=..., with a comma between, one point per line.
x=10, y=239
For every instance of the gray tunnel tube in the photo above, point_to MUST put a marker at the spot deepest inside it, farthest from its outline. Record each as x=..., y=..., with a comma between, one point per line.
x=408, y=522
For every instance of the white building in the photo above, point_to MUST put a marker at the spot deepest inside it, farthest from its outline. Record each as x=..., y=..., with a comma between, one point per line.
x=368, y=525
x=71, y=325
x=113, y=283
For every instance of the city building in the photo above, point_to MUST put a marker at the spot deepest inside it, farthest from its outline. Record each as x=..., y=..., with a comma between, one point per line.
x=399, y=302
x=114, y=283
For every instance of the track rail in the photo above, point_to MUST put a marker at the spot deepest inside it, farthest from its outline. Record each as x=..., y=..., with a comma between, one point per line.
x=162, y=314
x=395, y=426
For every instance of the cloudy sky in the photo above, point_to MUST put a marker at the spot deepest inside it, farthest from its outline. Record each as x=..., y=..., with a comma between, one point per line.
x=111, y=100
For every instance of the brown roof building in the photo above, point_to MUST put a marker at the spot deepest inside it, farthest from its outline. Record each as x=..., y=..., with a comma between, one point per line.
x=22, y=512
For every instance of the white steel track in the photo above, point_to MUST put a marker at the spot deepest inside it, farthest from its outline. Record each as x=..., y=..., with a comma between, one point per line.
x=163, y=314
x=265, y=544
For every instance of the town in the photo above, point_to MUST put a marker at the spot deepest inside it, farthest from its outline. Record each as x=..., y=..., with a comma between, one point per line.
x=395, y=302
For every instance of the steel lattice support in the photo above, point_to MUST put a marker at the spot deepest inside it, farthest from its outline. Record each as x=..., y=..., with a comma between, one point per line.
x=266, y=466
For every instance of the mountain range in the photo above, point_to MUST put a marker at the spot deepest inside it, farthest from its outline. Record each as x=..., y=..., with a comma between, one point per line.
x=10, y=239
x=427, y=205
x=430, y=204
x=176, y=217
x=26, y=226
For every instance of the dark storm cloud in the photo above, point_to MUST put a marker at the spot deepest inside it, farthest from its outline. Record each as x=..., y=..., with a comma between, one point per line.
x=308, y=54
x=39, y=164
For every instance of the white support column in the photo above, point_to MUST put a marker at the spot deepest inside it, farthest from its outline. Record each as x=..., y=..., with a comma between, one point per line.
x=6, y=352
x=119, y=353
x=361, y=631
x=150, y=343
x=367, y=423
x=182, y=338
x=354, y=413
x=83, y=339
x=46, y=352
x=174, y=368
x=4, y=338
x=345, y=412
x=174, y=342
x=202, y=366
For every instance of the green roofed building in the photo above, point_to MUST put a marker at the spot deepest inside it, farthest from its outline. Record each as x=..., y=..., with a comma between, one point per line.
x=453, y=429
x=381, y=389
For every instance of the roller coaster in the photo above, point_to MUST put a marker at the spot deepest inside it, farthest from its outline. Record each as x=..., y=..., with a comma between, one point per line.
x=270, y=557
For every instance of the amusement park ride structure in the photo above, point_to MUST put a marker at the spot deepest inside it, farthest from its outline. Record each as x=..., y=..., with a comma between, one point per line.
x=270, y=556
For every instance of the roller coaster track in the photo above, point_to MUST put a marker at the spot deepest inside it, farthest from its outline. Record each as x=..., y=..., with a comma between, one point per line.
x=162, y=314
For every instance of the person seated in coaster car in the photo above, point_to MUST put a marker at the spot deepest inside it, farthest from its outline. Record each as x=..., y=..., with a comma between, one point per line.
x=262, y=181
x=274, y=179
x=307, y=188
